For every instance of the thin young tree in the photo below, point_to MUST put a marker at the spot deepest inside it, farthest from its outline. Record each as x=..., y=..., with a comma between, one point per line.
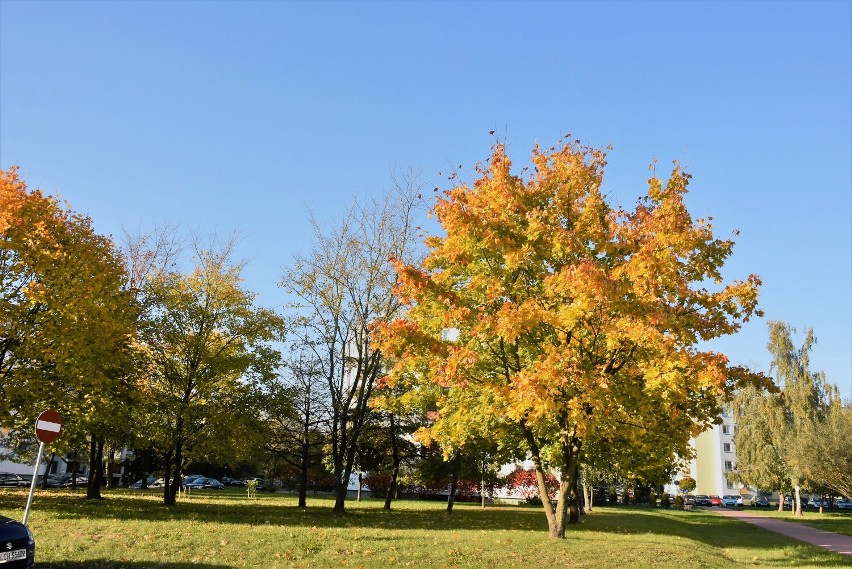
x=343, y=286
x=296, y=413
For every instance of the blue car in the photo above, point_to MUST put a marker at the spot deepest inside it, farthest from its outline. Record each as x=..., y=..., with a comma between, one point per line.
x=760, y=502
x=17, y=545
x=204, y=484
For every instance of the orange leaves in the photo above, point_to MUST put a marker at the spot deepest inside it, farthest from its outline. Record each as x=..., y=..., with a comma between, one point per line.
x=573, y=315
x=62, y=306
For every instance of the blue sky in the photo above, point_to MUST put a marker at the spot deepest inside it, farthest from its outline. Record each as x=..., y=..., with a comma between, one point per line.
x=240, y=116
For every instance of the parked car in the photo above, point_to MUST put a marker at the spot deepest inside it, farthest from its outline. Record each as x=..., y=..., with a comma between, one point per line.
x=760, y=502
x=702, y=500
x=843, y=504
x=816, y=503
x=66, y=480
x=151, y=483
x=715, y=500
x=18, y=545
x=729, y=501
x=10, y=480
x=204, y=484
x=192, y=478
x=789, y=501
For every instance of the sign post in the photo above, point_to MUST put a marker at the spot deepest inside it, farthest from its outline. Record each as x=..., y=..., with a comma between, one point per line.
x=47, y=428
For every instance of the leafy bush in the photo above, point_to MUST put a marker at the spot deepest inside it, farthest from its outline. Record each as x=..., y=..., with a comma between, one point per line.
x=664, y=501
x=378, y=483
x=652, y=500
x=687, y=484
x=524, y=482
x=678, y=503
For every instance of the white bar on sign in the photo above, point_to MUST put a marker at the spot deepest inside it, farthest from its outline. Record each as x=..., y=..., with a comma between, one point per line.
x=48, y=426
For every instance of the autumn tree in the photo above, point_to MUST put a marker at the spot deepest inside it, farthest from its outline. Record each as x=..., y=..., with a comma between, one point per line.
x=342, y=286
x=775, y=430
x=66, y=322
x=207, y=343
x=576, y=318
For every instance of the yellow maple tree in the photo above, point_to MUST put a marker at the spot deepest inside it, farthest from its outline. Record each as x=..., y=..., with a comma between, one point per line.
x=576, y=321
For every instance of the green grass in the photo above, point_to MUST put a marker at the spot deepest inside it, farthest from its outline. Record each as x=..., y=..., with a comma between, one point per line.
x=836, y=521
x=130, y=529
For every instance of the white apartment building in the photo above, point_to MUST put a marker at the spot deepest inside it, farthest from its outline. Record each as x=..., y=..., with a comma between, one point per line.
x=715, y=456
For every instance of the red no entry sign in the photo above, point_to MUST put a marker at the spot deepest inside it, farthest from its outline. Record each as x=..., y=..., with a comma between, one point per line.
x=48, y=425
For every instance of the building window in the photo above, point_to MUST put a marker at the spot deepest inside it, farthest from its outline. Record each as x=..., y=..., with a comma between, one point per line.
x=730, y=485
x=729, y=466
x=726, y=429
x=726, y=447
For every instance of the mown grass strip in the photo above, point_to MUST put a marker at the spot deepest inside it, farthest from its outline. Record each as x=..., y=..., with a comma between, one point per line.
x=226, y=530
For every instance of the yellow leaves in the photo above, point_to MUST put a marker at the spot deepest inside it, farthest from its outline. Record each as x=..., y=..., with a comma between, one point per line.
x=570, y=310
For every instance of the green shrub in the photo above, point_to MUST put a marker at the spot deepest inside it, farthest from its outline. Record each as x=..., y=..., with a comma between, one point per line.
x=664, y=501
x=679, y=503
x=652, y=500
x=687, y=484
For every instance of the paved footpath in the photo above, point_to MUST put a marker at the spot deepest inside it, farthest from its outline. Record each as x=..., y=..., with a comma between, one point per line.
x=836, y=542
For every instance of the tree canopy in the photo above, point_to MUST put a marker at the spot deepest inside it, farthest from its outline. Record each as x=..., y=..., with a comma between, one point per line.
x=782, y=438
x=66, y=322
x=206, y=342
x=578, y=321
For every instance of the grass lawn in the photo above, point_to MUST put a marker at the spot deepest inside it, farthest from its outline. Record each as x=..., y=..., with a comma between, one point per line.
x=832, y=520
x=219, y=530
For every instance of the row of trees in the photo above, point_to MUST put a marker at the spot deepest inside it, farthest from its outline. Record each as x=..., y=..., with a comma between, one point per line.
x=798, y=438
x=541, y=322
x=157, y=346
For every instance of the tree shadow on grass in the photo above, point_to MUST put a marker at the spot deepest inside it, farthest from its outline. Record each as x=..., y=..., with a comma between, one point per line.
x=110, y=564
x=280, y=510
x=719, y=532
x=697, y=527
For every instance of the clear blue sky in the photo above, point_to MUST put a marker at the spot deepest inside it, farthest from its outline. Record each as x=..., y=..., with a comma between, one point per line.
x=239, y=116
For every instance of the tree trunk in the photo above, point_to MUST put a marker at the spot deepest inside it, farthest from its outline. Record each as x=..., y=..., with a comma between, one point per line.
x=484, y=465
x=360, y=484
x=578, y=497
x=110, y=469
x=96, y=456
x=43, y=483
x=392, y=488
x=341, y=487
x=588, y=497
x=340, y=490
x=396, y=460
x=167, y=486
x=304, y=459
x=797, y=502
x=543, y=494
x=303, y=488
x=176, y=474
x=780, y=501
x=451, y=499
